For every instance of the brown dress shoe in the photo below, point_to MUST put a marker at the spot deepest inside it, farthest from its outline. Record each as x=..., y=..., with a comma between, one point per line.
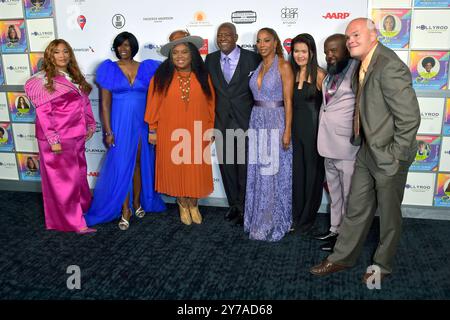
x=367, y=275
x=326, y=267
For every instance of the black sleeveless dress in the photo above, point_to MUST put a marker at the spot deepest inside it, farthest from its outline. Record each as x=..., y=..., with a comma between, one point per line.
x=308, y=166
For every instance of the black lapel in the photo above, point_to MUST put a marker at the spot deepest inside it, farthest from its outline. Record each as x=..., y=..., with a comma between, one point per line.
x=237, y=72
x=218, y=70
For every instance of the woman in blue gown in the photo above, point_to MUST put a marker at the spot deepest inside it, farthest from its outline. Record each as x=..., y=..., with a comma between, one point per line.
x=128, y=169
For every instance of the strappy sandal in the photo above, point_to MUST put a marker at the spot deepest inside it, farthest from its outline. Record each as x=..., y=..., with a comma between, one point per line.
x=140, y=213
x=124, y=224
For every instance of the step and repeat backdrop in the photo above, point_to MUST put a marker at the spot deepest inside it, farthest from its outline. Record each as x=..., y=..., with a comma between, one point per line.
x=418, y=31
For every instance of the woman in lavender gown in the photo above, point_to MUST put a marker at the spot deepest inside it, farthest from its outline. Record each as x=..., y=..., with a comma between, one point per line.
x=268, y=201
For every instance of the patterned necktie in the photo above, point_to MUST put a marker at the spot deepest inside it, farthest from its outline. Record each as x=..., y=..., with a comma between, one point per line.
x=226, y=69
x=356, y=118
x=332, y=89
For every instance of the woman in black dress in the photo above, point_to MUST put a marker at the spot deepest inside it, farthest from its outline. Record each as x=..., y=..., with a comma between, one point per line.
x=308, y=166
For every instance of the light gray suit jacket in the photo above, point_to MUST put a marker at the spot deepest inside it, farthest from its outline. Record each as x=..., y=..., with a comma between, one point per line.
x=389, y=112
x=336, y=119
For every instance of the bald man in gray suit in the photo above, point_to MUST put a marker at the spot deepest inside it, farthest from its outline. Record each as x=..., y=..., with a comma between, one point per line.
x=386, y=121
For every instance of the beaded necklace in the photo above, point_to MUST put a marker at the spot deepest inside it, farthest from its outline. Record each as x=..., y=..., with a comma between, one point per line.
x=185, y=86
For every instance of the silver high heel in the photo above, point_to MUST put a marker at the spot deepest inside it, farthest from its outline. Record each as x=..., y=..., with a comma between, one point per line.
x=140, y=213
x=124, y=224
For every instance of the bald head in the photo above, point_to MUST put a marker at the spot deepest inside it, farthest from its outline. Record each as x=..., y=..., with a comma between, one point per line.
x=361, y=36
x=226, y=37
x=228, y=25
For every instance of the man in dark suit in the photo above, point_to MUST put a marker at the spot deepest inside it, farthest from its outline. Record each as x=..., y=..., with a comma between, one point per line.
x=386, y=121
x=230, y=69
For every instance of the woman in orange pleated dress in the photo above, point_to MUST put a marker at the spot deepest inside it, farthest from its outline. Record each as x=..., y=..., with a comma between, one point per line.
x=180, y=114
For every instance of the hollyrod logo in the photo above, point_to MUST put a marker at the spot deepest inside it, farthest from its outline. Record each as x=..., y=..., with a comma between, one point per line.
x=418, y=188
x=447, y=152
x=152, y=46
x=42, y=33
x=7, y=164
x=429, y=115
x=17, y=68
x=10, y=1
x=337, y=15
x=26, y=136
x=94, y=174
x=432, y=28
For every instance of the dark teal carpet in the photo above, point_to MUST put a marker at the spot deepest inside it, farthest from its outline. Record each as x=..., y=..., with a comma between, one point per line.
x=160, y=258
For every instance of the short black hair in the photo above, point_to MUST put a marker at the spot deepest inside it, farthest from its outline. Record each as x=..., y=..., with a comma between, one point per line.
x=120, y=38
x=428, y=60
x=2, y=130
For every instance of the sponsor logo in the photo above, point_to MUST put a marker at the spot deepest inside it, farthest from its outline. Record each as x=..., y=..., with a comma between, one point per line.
x=216, y=180
x=432, y=29
x=79, y=1
x=152, y=46
x=249, y=46
x=18, y=68
x=200, y=20
x=242, y=17
x=118, y=21
x=42, y=34
x=98, y=126
x=7, y=164
x=287, y=45
x=204, y=50
x=81, y=20
x=289, y=16
x=447, y=152
x=95, y=150
x=94, y=174
x=337, y=15
x=158, y=19
x=429, y=114
x=88, y=49
x=418, y=187
x=26, y=136
x=13, y=2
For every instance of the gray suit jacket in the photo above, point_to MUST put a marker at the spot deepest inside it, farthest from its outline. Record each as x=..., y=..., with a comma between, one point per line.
x=389, y=112
x=336, y=119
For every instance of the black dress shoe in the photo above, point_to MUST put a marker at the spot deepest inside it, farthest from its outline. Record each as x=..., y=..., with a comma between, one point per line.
x=329, y=246
x=231, y=214
x=240, y=220
x=326, y=236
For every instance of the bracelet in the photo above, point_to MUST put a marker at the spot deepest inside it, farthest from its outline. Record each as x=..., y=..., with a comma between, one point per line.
x=108, y=134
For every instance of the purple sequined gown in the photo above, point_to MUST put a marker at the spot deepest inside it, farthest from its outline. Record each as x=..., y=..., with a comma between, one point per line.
x=268, y=202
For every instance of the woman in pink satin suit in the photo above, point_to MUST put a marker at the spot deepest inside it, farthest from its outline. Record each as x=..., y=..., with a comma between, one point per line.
x=64, y=121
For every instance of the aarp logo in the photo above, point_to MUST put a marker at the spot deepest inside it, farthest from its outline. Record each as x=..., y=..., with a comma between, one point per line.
x=337, y=15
